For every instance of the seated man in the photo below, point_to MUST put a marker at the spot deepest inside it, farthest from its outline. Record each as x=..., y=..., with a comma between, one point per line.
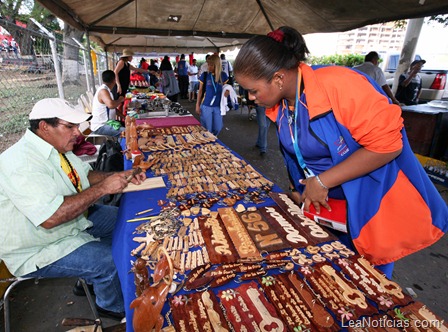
x=103, y=108
x=51, y=226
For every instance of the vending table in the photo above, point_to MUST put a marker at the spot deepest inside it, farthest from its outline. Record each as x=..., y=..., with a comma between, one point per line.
x=245, y=257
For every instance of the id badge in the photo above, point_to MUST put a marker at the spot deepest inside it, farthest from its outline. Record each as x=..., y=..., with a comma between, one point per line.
x=213, y=100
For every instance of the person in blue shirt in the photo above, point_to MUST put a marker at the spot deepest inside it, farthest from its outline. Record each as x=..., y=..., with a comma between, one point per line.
x=209, y=95
x=182, y=76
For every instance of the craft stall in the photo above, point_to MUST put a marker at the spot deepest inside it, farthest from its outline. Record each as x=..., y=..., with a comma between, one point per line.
x=142, y=103
x=207, y=243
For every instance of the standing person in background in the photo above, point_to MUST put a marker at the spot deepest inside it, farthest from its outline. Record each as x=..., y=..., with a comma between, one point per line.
x=169, y=82
x=410, y=84
x=263, y=128
x=194, y=81
x=227, y=68
x=204, y=66
x=103, y=108
x=15, y=47
x=182, y=76
x=370, y=67
x=144, y=65
x=153, y=70
x=123, y=73
x=210, y=90
x=342, y=139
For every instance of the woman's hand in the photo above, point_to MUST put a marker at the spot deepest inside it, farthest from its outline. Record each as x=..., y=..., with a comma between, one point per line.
x=315, y=194
x=198, y=109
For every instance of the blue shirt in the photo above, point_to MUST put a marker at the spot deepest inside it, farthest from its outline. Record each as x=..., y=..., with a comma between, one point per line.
x=182, y=68
x=213, y=90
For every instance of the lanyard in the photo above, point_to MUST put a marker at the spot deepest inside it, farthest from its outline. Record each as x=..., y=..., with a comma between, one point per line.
x=308, y=172
x=213, y=82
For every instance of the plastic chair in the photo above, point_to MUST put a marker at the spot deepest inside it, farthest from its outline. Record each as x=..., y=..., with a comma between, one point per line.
x=14, y=281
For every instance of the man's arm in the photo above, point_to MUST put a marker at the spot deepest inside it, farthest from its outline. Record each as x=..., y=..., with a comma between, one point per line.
x=412, y=74
x=389, y=93
x=104, y=98
x=102, y=184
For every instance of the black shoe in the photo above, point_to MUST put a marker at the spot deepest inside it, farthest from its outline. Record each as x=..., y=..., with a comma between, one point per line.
x=262, y=153
x=78, y=290
x=109, y=314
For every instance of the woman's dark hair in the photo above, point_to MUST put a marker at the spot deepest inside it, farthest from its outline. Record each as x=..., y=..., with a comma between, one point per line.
x=34, y=124
x=166, y=64
x=261, y=56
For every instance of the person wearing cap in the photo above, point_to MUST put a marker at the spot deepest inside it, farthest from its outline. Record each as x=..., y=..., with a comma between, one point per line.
x=51, y=226
x=410, y=84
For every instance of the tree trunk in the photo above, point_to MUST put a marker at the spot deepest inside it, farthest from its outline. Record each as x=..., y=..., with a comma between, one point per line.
x=71, y=60
x=408, y=51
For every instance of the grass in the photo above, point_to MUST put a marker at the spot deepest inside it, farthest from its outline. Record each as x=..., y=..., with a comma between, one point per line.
x=19, y=91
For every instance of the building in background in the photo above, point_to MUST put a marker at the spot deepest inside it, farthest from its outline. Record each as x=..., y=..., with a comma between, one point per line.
x=383, y=37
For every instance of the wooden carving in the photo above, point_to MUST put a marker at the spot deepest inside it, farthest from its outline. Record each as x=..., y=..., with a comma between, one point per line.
x=148, y=306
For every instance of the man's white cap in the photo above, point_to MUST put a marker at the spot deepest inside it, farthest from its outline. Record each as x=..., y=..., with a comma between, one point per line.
x=58, y=108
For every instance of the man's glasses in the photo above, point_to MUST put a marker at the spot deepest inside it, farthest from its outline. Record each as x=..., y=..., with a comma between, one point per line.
x=69, y=126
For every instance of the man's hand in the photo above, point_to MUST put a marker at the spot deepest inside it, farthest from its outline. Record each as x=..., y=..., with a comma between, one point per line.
x=114, y=183
x=137, y=178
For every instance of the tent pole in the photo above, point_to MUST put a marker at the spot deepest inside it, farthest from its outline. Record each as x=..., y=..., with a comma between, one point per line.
x=91, y=76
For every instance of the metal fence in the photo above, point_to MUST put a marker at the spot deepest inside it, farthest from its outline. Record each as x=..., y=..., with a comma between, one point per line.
x=36, y=64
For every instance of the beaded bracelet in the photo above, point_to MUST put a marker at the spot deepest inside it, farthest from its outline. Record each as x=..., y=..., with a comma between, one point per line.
x=321, y=184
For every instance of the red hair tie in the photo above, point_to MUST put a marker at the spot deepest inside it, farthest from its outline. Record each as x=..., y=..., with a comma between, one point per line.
x=277, y=35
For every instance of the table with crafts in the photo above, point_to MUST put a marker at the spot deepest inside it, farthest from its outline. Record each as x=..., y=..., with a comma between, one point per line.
x=226, y=250
x=427, y=128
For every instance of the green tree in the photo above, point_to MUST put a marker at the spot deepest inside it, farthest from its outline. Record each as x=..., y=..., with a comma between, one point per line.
x=348, y=60
x=22, y=10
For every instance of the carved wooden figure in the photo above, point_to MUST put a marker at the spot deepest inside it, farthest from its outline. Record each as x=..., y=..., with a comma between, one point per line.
x=148, y=306
x=141, y=276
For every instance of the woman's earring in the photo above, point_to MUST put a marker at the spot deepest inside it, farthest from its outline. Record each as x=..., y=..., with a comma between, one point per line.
x=280, y=87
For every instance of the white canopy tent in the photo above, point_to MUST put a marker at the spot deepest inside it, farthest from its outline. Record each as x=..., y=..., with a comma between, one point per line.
x=174, y=26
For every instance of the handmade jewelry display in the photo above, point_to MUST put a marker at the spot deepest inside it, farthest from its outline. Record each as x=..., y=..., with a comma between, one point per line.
x=208, y=168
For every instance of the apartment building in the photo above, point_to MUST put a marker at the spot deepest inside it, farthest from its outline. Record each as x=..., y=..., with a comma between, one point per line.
x=383, y=37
